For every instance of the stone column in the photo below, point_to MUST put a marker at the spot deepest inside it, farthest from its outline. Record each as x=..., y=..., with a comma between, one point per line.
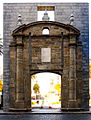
x=19, y=74
x=72, y=75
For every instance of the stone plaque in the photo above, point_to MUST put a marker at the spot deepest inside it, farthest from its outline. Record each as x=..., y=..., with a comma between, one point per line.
x=45, y=54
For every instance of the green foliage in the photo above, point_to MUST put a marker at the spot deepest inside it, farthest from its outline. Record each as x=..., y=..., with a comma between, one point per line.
x=36, y=88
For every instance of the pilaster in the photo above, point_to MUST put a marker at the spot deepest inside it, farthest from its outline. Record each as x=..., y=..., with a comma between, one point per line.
x=72, y=73
x=19, y=103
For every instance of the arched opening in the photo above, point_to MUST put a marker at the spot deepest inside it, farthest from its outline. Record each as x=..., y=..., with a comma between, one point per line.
x=46, y=90
x=45, y=31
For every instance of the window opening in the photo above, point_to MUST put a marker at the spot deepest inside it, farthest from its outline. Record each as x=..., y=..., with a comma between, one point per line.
x=45, y=31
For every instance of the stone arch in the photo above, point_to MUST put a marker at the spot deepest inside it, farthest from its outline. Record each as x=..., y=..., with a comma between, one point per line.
x=56, y=72
x=65, y=58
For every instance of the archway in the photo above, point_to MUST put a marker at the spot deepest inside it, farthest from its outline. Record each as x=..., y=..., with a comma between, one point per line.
x=32, y=52
x=46, y=90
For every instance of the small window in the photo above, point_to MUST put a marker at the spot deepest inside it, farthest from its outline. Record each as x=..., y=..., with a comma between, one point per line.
x=45, y=31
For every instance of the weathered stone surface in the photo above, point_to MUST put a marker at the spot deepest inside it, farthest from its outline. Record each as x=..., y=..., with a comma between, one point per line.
x=62, y=55
x=63, y=11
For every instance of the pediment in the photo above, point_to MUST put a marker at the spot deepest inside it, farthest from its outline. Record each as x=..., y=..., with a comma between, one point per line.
x=35, y=28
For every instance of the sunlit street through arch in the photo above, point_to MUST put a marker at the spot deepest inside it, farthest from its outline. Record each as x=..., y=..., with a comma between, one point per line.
x=46, y=90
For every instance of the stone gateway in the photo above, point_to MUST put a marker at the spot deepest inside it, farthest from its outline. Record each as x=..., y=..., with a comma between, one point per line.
x=29, y=51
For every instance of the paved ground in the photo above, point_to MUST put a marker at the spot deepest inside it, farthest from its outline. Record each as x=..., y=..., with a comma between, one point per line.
x=47, y=117
x=45, y=114
x=44, y=111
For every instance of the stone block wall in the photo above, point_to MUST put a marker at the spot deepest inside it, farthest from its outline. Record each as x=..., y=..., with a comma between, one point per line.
x=62, y=13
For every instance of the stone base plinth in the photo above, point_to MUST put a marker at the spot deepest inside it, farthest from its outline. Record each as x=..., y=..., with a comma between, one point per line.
x=20, y=109
x=72, y=109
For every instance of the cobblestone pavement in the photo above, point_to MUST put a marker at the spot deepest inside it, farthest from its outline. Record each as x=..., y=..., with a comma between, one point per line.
x=47, y=117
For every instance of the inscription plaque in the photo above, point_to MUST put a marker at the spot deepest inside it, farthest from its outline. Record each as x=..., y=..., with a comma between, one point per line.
x=45, y=54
